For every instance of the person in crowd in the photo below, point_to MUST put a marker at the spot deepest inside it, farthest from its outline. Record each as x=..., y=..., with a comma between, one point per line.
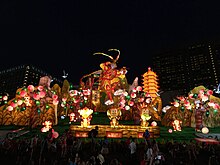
x=149, y=155
x=146, y=136
x=133, y=151
x=94, y=132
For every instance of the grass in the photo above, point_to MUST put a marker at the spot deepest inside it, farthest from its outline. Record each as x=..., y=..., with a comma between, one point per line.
x=186, y=134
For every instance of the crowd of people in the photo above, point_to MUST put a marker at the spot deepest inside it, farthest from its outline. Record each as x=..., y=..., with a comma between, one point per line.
x=69, y=150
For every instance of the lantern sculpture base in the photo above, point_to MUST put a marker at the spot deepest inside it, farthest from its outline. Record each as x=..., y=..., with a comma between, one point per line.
x=85, y=123
x=114, y=123
x=121, y=131
x=144, y=123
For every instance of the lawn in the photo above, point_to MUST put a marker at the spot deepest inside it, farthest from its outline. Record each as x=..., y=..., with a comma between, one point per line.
x=186, y=134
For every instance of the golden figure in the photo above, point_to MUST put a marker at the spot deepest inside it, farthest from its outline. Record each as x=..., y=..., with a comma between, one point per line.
x=86, y=114
x=145, y=115
x=114, y=115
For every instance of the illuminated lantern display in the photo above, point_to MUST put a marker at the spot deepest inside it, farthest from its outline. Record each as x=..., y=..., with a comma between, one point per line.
x=30, y=88
x=170, y=130
x=114, y=115
x=153, y=123
x=176, y=125
x=205, y=130
x=96, y=98
x=47, y=126
x=150, y=83
x=5, y=98
x=86, y=114
x=72, y=117
x=54, y=134
x=27, y=100
x=145, y=117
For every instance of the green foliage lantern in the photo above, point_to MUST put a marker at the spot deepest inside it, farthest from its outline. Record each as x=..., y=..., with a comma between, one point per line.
x=195, y=95
x=207, y=113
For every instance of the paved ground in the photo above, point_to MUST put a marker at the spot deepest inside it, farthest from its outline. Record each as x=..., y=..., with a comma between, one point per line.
x=215, y=136
x=3, y=133
x=13, y=133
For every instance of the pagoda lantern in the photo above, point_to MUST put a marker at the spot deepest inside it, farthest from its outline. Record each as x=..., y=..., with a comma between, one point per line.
x=150, y=83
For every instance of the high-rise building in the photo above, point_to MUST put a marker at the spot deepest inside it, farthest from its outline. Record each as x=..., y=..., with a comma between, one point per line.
x=22, y=76
x=185, y=68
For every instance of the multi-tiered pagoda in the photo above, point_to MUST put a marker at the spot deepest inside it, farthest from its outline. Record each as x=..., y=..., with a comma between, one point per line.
x=150, y=83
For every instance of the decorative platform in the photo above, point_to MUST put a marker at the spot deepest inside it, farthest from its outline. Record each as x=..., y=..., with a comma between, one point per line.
x=122, y=131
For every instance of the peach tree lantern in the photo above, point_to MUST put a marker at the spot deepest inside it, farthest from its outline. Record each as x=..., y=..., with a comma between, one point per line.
x=3, y=99
x=76, y=100
x=86, y=114
x=201, y=107
x=34, y=103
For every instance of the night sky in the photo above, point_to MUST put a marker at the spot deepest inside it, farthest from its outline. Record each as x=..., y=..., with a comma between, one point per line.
x=57, y=35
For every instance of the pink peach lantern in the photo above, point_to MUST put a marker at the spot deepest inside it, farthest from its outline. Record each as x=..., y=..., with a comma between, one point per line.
x=205, y=130
x=42, y=94
x=86, y=92
x=13, y=104
x=122, y=105
x=216, y=106
x=40, y=88
x=125, y=93
x=191, y=95
x=9, y=108
x=64, y=99
x=133, y=95
x=62, y=105
x=127, y=107
x=135, y=89
x=209, y=92
x=5, y=98
x=153, y=123
x=205, y=98
x=170, y=130
x=54, y=97
x=131, y=103
x=139, y=88
x=201, y=91
x=122, y=101
x=141, y=99
x=55, y=102
x=23, y=93
x=147, y=95
x=55, y=134
x=19, y=102
x=36, y=96
x=30, y=88
x=176, y=104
